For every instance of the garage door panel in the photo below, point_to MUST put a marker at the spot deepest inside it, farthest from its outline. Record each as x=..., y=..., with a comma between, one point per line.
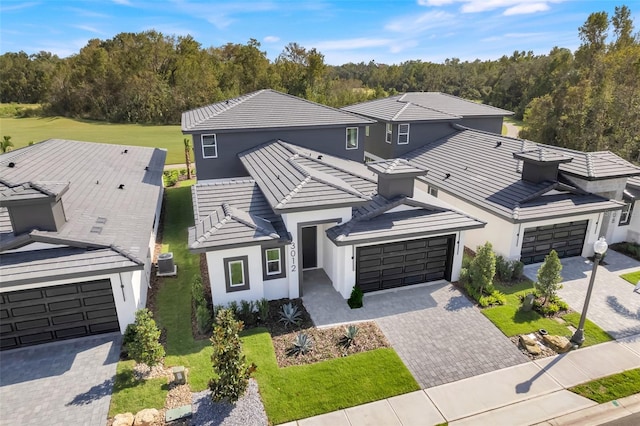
x=401, y=264
x=59, y=312
x=566, y=238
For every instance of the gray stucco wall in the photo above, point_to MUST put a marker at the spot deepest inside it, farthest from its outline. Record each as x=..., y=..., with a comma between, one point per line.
x=419, y=135
x=487, y=124
x=329, y=140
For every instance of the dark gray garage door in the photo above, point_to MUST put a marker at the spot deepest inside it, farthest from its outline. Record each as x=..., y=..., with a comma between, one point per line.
x=29, y=317
x=404, y=263
x=565, y=238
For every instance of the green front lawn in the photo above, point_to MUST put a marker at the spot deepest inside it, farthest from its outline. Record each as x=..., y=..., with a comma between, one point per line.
x=512, y=321
x=131, y=395
x=632, y=277
x=611, y=387
x=36, y=129
x=307, y=390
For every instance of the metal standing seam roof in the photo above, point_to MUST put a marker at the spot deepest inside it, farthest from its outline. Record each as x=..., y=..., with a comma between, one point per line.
x=424, y=106
x=232, y=213
x=99, y=214
x=266, y=109
x=479, y=167
x=376, y=222
x=290, y=181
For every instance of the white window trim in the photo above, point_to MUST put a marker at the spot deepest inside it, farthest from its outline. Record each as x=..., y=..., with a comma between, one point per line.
x=347, y=138
x=244, y=279
x=267, y=261
x=388, y=133
x=215, y=145
x=433, y=191
x=625, y=214
x=400, y=133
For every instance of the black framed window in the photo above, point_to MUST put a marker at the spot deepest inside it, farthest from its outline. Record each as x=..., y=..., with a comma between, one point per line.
x=236, y=273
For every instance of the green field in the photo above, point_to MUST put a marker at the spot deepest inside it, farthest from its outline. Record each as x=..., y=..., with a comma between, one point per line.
x=36, y=129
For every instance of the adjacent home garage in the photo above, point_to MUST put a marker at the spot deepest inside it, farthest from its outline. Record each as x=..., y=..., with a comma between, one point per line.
x=567, y=239
x=404, y=263
x=54, y=313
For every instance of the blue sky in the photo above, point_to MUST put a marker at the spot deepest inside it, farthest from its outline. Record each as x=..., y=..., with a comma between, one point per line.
x=344, y=31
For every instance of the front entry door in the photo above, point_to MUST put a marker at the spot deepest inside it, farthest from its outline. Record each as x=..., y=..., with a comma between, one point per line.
x=309, y=247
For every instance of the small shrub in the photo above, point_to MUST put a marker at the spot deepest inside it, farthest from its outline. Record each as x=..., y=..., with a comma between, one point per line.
x=216, y=310
x=170, y=177
x=290, y=315
x=302, y=344
x=350, y=334
x=495, y=298
x=562, y=305
x=247, y=314
x=204, y=321
x=464, y=276
x=355, y=300
x=483, y=269
x=144, y=345
x=234, y=308
x=518, y=270
x=466, y=261
x=504, y=269
x=263, y=309
x=229, y=363
x=197, y=291
x=183, y=172
x=549, y=309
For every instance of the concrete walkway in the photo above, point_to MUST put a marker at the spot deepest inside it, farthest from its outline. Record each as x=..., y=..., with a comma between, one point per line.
x=437, y=332
x=524, y=394
x=613, y=306
x=61, y=383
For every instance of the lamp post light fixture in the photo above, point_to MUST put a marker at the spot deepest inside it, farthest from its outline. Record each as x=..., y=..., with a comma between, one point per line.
x=599, y=248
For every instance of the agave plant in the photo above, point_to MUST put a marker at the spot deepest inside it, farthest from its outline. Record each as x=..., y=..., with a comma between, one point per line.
x=350, y=334
x=290, y=315
x=302, y=344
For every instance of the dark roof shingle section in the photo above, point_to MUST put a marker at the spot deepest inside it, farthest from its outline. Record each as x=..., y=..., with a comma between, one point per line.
x=424, y=106
x=266, y=109
x=232, y=213
x=472, y=165
x=594, y=165
x=293, y=178
x=396, y=166
x=541, y=155
x=93, y=173
x=383, y=220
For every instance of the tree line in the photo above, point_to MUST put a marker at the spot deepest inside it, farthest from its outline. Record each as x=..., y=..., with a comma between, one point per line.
x=588, y=99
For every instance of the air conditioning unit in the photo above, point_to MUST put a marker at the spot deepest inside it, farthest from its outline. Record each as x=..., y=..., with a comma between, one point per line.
x=166, y=267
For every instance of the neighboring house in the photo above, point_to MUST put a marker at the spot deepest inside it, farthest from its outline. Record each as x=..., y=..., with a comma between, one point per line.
x=408, y=121
x=628, y=224
x=301, y=209
x=223, y=130
x=77, y=231
x=534, y=197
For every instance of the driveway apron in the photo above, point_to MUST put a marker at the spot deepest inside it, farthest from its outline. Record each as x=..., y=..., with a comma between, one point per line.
x=62, y=383
x=449, y=340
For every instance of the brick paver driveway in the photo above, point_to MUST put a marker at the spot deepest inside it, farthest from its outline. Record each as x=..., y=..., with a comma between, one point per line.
x=449, y=341
x=62, y=383
x=435, y=329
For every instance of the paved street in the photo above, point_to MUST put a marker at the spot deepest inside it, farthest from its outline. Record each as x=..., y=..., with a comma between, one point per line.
x=62, y=383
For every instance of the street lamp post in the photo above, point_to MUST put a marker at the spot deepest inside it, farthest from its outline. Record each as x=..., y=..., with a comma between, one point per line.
x=599, y=248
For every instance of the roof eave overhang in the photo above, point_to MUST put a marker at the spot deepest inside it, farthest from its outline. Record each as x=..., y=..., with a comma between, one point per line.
x=361, y=240
x=595, y=178
x=204, y=248
x=198, y=130
x=546, y=215
x=351, y=204
x=70, y=275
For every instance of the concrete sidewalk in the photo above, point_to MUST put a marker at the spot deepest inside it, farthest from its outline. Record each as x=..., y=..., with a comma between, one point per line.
x=524, y=394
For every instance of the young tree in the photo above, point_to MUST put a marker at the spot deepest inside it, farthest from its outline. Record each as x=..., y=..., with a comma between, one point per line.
x=142, y=339
x=549, y=277
x=187, y=155
x=483, y=269
x=229, y=363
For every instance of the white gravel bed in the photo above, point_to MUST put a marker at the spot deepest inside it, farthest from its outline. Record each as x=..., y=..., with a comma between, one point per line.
x=247, y=411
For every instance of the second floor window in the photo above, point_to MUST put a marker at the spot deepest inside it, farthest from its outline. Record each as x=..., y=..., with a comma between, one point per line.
x=352, y=137
x=209, y=146
x=403, y=134
x=625, y=215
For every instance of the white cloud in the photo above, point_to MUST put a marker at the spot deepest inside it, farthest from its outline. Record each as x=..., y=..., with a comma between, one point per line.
x=420, y=23
x=123, y=2
x=17, y=6
x=271, y=39
x=526, y=8
x=88, y=29
x=512, y=7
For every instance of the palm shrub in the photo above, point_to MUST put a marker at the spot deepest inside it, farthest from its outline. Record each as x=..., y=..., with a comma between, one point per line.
x=143, y=339
x=229, y=363
x=549, y=277
x=483, y=269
